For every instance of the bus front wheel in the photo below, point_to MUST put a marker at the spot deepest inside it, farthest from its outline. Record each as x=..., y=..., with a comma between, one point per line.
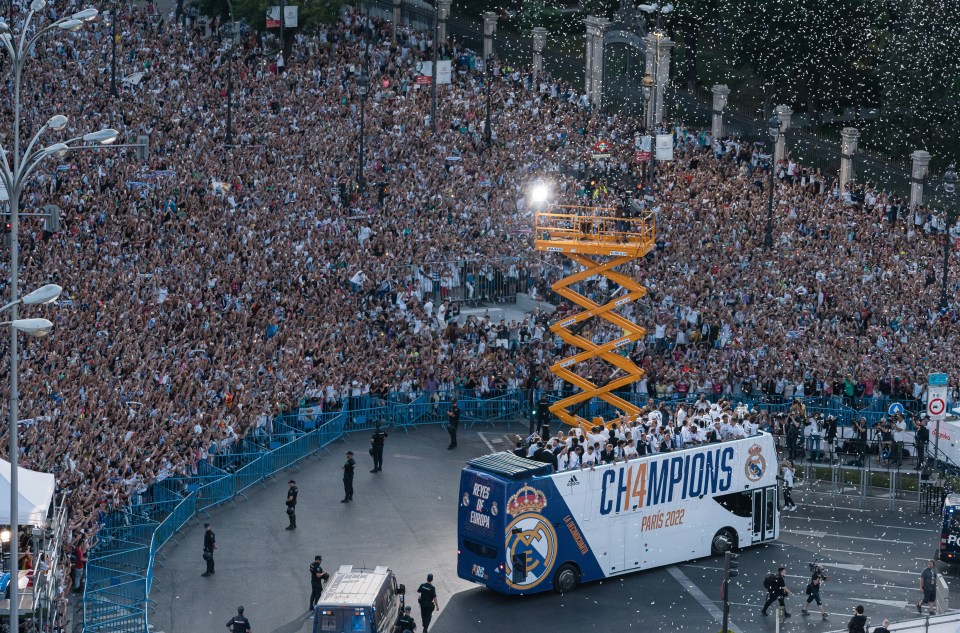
x=566, y=579
x=723, y=541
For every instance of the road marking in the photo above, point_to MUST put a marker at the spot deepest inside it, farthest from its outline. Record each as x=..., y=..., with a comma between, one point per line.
x=820, y=535
x=873, y=584
x=846, y=551
x=699, y=596
x=487, y=442
x=407, y=456
x=702, y=567
x=889, y=571
x=900, y=527
x=885, y=603
x=846, y=566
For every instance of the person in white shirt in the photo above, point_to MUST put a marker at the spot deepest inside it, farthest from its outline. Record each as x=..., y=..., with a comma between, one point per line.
x=563, y=460
x=737, y=430
x=726, y=429
x=681, y=415
x=573, y=459
x=813, y=434
x=699, y=437
x=788, y=503
x=899, y=428
x=589, y=459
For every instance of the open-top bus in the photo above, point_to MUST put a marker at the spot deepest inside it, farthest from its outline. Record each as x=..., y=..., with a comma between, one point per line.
x=524, y=528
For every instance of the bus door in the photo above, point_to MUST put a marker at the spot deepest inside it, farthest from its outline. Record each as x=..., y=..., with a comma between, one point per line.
x=764, y=514
x=616, y=543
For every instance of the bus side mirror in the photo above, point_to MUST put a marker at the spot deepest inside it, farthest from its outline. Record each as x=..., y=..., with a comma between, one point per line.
x=402, y=590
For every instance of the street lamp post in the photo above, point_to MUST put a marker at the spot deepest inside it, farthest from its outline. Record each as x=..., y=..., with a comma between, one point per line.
x=233, y=41
x=113, y=56
x=775, y=131
x=950, y=188
x=363, y=88
x=15, y=169
x=433, y=70
x=488, y=129
x=648, y=86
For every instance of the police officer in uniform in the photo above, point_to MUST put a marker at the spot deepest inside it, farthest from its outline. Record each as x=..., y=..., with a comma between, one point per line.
x=453, y=422
x=376, y=448
x=348, y=478
x=209, y=544
x=406, y=623
x=317, y=578
x=292, y=505
x=428, y=602
x=922, y=438
x=238, y=623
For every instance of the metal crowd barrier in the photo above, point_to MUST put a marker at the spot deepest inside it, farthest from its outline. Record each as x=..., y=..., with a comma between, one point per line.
x=121, y=568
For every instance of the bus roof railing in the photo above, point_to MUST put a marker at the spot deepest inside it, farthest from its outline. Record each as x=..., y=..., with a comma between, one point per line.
x=510, y=466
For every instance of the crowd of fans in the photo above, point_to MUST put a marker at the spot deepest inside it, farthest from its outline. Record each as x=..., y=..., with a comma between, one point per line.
x=209, y=288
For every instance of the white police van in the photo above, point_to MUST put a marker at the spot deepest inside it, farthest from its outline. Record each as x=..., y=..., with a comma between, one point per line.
x=359, y=600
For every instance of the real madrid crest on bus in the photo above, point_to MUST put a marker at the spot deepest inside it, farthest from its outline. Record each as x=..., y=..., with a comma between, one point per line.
x=756, y=464
x=531, y=540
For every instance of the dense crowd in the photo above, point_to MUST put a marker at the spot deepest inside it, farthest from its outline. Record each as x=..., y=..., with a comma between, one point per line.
x=209, y=288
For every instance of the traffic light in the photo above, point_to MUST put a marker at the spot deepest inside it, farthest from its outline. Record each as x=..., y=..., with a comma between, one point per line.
x=731, y=565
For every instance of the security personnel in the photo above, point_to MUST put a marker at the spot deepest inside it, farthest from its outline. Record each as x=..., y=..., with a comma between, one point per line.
x=428, y=602
x=922, y=438
x=209, y=544
x=376, y=448
x=453, y=423
x=292, y=505
x=238, y=623
x=317, y=578
x=406, y=623
x=348, y=478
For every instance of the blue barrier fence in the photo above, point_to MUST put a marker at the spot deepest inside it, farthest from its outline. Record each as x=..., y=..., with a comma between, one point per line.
x=120, y=570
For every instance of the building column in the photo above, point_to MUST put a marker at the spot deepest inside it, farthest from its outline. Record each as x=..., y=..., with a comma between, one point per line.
x=783, y=113
x=588, y=60
x=658, y=62
x=848, y=148
x=921, y=166
x=443, y=12
x=720, y=94
x=539, y=43
x=596, y=27
x=489, y=28
x=397, y=16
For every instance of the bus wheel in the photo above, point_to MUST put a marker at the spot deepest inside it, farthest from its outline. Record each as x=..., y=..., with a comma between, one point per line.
x=723, y=541
x=566, y=579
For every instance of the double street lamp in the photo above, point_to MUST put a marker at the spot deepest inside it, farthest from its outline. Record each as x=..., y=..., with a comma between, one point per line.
x=363, y=89
x=15, y=168
x=950, y=188
x=488, y=67
x=648, y=90
x=775, y=130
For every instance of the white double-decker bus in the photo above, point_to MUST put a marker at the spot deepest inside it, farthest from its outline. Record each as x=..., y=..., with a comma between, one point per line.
x=524, y=529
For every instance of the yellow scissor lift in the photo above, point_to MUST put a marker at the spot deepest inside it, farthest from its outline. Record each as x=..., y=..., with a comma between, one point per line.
x=598, y=242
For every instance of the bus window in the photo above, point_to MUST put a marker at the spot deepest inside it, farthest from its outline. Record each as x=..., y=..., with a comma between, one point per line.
x=479, y=549
x=328, y=623
x=739, y=503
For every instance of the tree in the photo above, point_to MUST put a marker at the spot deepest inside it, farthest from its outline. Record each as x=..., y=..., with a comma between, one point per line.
x=816, y=53
x=921, y=83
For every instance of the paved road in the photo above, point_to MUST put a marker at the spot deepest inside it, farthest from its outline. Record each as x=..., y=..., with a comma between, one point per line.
x=405, y=517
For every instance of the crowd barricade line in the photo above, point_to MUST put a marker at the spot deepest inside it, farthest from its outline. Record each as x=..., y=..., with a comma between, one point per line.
x=121, y=569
